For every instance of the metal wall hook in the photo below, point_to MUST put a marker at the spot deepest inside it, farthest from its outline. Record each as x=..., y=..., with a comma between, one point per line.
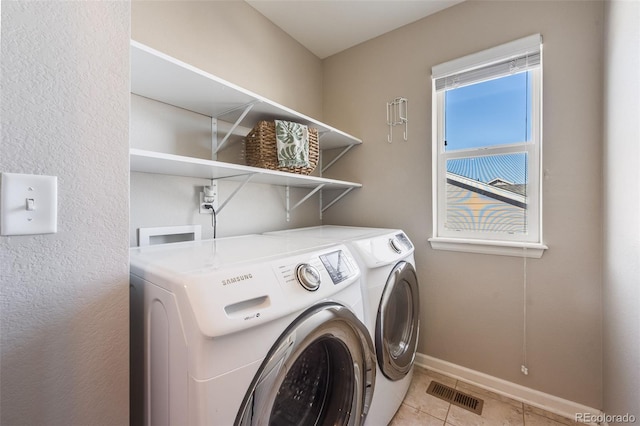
x=397, y=112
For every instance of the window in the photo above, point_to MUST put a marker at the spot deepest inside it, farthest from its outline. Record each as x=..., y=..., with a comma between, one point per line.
x=487, y=151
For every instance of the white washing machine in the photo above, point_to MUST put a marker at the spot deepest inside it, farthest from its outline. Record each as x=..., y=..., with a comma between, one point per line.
x=250, y=330
x=390, y=285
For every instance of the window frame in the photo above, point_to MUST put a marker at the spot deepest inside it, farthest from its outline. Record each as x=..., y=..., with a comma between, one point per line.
x=523, y=245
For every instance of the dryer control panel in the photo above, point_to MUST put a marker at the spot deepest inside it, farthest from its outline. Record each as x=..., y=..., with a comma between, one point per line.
x=400, y=243
x=384, y=249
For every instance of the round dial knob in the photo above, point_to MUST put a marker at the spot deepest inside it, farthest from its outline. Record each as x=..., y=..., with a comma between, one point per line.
x=308, y=276
x=395, y=245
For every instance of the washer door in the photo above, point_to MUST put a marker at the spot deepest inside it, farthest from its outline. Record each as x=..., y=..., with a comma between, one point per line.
x=398, y=322
x=321, y=371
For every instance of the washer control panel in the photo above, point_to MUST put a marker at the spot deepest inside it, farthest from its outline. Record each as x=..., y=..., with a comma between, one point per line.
x=337, y=265
x=309, y=272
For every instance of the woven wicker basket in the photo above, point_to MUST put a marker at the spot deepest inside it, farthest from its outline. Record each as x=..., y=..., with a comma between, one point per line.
x=261, y=149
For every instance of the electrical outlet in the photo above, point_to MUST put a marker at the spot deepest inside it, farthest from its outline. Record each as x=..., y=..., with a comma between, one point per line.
x=209, y=196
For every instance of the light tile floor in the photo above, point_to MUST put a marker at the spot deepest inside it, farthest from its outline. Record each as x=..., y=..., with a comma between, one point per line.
x=422, y=409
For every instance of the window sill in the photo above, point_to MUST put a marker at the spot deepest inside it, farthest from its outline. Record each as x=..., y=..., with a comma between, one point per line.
x=501, y=248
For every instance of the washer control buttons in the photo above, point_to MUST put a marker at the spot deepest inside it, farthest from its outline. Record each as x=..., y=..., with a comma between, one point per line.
x=308, y=276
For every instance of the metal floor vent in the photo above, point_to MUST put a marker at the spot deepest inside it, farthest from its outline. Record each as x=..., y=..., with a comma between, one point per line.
x=455, y=397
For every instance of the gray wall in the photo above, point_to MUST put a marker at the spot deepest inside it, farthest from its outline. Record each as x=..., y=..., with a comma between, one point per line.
x=230, y=40
x=621, y=294
x=233, y=41
x=472, y=304
x=64, y=307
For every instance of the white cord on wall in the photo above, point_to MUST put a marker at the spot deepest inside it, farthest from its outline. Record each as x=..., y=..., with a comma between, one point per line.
x=523, y=368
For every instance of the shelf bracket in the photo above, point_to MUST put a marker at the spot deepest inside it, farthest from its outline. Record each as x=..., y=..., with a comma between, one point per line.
x=331, y=163
x=236, y=108
x=214, y=138
x=238, y=188
x=335, y=200
x=235, y=125
x=305, y=198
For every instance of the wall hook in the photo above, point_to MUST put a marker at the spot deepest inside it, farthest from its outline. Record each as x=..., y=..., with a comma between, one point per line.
x=397, y=111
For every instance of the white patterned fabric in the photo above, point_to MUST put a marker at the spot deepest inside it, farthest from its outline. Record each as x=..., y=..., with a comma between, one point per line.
x=292, y=140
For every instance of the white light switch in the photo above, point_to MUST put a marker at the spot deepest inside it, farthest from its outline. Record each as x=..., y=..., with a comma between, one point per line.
x=28, y=204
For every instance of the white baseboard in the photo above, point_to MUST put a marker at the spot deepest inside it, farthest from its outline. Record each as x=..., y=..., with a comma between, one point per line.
x=520, y=393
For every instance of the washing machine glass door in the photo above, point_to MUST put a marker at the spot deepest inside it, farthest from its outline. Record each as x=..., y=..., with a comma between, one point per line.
x=321, y=371
x=397, y=322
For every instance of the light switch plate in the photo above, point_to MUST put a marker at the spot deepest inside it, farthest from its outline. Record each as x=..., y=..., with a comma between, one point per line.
x=28, y=204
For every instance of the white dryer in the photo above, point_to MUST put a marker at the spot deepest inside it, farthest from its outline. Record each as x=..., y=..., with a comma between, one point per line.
x=249, y=331
x=390, y=285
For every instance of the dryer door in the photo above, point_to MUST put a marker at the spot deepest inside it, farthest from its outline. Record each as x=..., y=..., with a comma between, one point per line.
x=398, y=322
x=321, y=371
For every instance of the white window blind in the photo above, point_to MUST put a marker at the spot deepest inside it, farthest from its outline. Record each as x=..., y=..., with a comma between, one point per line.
x=510, y=58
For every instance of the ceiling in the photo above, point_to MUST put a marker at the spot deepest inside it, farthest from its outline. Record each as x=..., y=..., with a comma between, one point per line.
x=326, y=27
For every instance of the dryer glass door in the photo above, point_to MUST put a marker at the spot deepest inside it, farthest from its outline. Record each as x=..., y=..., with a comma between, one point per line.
x=321, y=371
x=397, y=322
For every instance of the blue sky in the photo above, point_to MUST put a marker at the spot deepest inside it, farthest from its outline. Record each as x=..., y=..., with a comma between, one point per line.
x=490, y=113
x=493, y=112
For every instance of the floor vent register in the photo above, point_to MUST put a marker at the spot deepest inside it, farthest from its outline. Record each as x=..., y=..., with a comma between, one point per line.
x=456, y=397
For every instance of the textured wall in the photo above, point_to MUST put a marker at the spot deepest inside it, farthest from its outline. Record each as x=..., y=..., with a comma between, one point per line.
x=64, y=305
x=472, y=304
x=622, y=204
